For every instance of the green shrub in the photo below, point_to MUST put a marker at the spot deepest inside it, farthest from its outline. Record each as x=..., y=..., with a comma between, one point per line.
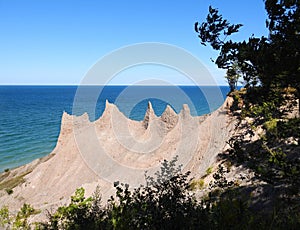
x=74, y=216
x=9, y=191
x=21, y=220
x=271, y=127
x=4, y=216
x=289, y=128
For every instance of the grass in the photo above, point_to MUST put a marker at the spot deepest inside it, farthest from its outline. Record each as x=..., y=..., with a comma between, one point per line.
x=209, y=170
x=197, y=184
x=9, y=184
x=13, y=182
x=3, y=175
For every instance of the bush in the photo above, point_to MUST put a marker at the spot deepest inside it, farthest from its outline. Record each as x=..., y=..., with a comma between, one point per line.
x=289, y=128
x=9, y=191
x=21, y=220
x=4, y=216
x=81, y=213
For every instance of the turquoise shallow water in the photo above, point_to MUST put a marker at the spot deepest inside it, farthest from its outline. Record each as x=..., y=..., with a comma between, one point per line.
x=31, y=115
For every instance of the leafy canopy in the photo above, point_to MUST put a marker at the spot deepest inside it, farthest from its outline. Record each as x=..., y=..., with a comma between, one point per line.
x=273, y=61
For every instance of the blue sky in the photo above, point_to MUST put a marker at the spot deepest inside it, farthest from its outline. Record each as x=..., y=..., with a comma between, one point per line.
x=57, y=41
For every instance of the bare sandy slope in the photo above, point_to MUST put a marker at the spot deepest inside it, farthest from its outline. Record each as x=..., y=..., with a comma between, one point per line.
x=115, y=148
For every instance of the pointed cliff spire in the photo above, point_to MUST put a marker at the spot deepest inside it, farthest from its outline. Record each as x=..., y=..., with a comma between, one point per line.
x=106, y=103
x=185, y=112
x=108, y=108
x=169, y=117
x=149, y=116
x=110, y=112
x=169, y=112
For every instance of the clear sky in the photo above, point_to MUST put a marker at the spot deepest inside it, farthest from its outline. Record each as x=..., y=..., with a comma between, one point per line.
x=57, y=41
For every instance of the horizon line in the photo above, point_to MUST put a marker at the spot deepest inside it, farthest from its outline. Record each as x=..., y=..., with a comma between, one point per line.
x=109, y=85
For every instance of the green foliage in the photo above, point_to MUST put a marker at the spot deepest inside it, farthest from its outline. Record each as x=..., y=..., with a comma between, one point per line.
x=18, y=221
x=289, y=128
x=231, y=212
x=272, y=61
x=220, y=180
x=283, y=24
x=168, y=170
x=197, y=184
x=164, y=202
x=81, y=213
x=209, y=170
x=262, y=112
x=232, y=75
x=9, y=191
x=272, y=159
x=271, y=127
x=21, y=220
x=215, y=27
x=4, y=216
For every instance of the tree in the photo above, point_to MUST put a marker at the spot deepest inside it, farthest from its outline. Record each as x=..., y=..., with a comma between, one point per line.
x=270, y=66
x=232, y=76
x=284, y=40
x=273, y=62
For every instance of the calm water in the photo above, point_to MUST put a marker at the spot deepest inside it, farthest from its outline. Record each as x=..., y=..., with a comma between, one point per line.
x=31, y=115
